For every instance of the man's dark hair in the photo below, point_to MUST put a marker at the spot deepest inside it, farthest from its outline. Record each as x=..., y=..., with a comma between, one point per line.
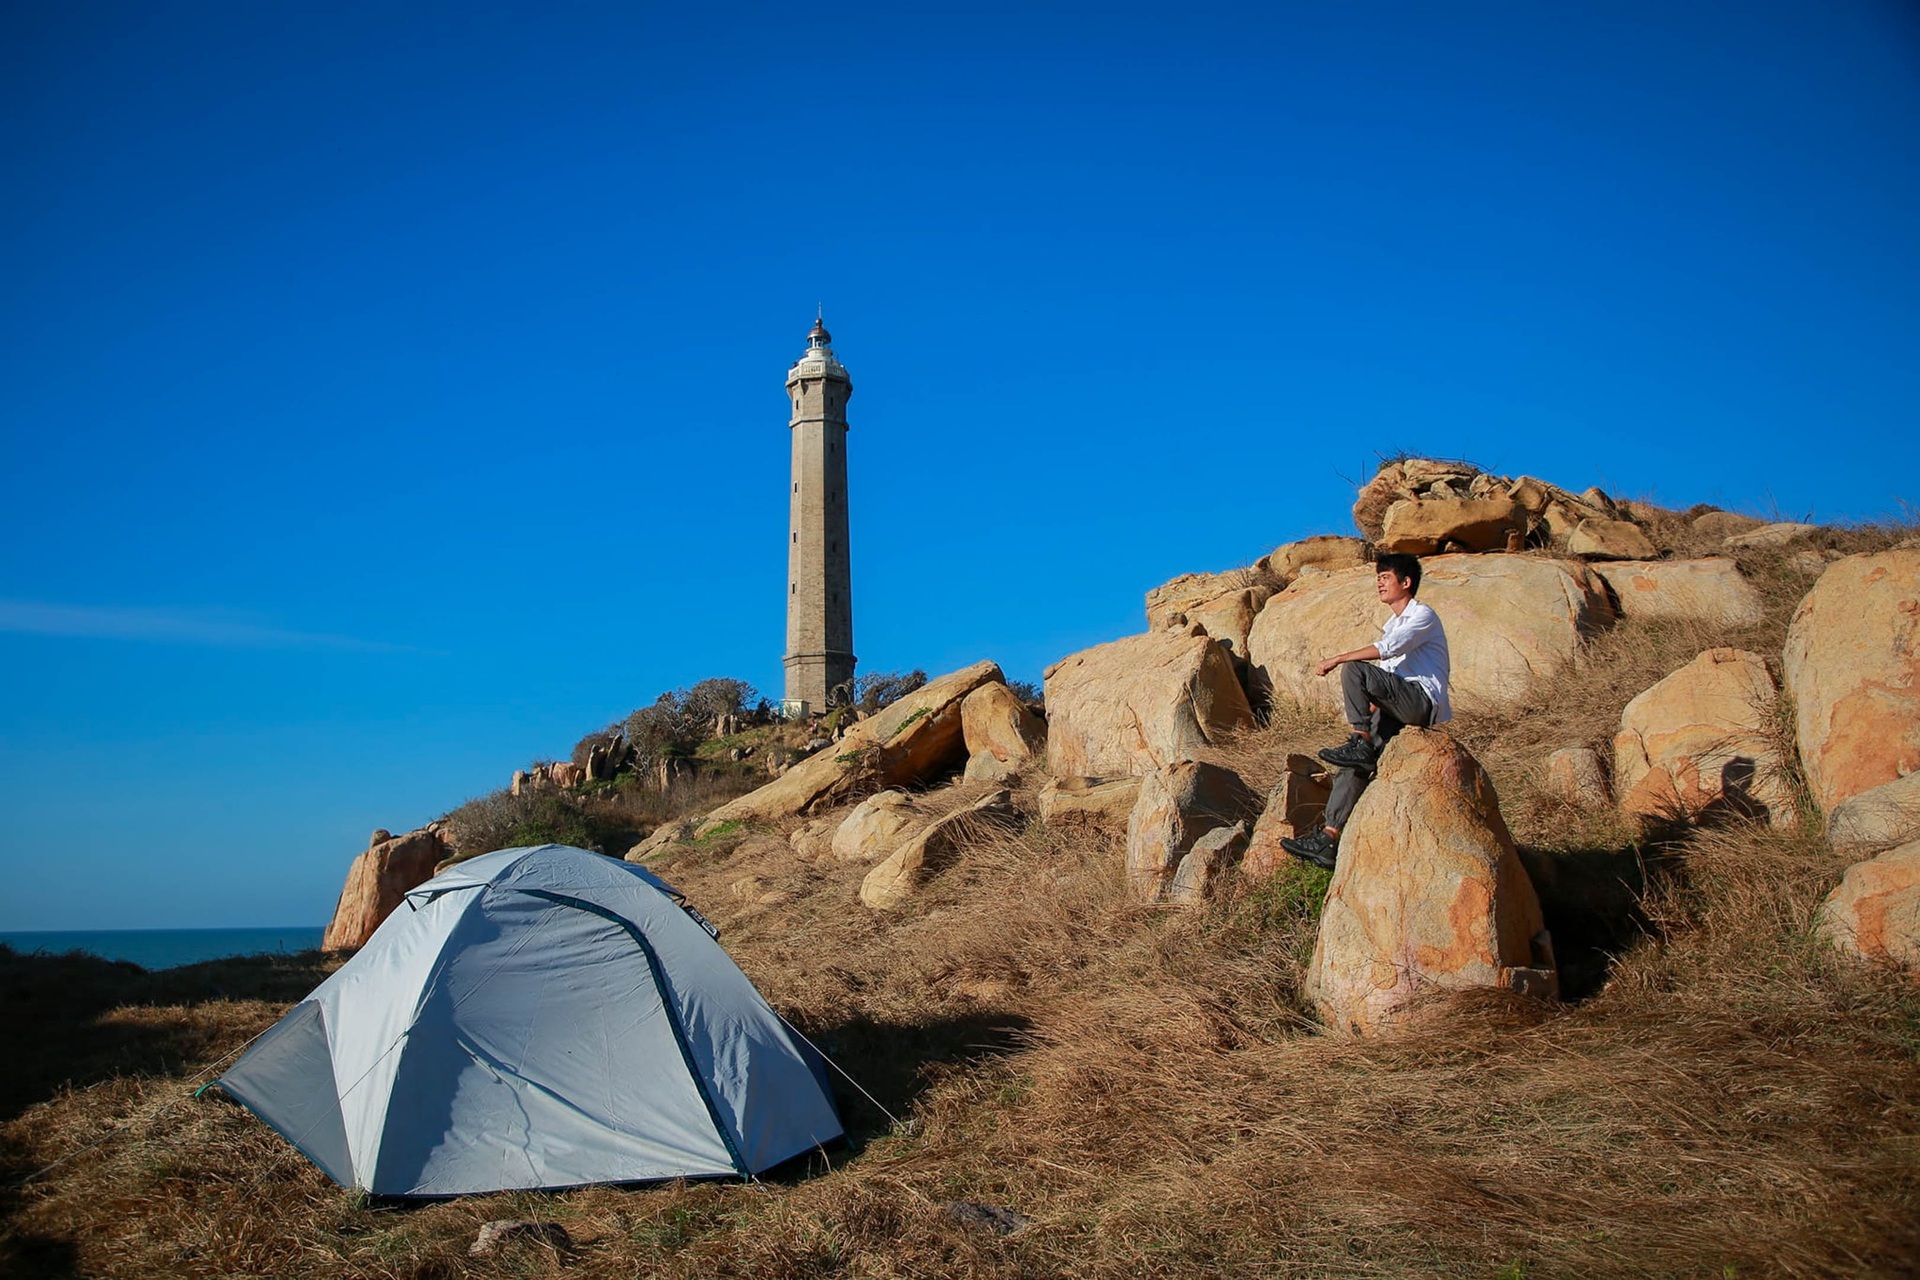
x=1401, y=566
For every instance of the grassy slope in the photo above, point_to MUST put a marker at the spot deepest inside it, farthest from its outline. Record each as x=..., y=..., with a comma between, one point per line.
x=1144, y=1085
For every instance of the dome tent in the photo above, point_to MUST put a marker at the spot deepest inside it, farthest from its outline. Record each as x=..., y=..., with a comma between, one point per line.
x=533, y=1019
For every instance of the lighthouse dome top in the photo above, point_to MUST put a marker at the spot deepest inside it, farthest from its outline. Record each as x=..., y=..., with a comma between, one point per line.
x=818, y=361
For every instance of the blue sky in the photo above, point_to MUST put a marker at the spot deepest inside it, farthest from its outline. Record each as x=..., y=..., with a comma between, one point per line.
x=393, y=393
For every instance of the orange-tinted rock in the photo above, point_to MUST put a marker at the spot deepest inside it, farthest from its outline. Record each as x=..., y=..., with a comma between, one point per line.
x=909, y=867
x=1177, y=805
x=1424, y=526
x=1611, y=540
x=1878, y=817
x=1576, y=779
x=1874, y=914
x=905, y=743
x=1325, y=551
x=1139, y=703
x=1176, y=597
x=1428, y=894
x=1295, y=807
x=1088, y=804
x=1853, y=667
x=1206, y=866
x=1701, y=741
x=1370, y=506
x=1230, y=618
x=1711, y=589
x=377, y=882
x=994, y=721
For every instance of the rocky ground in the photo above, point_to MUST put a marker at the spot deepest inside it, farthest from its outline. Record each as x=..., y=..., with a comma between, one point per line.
x=1607, y=981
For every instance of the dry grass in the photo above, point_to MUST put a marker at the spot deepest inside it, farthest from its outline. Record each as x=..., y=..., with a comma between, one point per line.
x=1144, y=1085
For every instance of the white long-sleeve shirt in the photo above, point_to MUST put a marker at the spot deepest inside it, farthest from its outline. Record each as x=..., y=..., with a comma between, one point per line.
x=1414, y=647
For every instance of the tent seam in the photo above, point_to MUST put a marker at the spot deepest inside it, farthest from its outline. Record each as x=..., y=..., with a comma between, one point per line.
x=669, y=1006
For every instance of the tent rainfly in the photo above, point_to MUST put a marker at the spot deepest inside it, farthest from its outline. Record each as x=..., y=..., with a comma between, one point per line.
x=536, y=1018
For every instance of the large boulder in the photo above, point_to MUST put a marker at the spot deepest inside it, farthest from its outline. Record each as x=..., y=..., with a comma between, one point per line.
x=1322, y=551
x=1423, y=526
x=1428, y=894
x=935, y=849
x=1603, y=539
x=1554, y=514
x=1171, y=600
x=1512, y=622
x=379, y=880
x=1230, y=618
x=1140, y=703
x=905, y=743
x=663, y=838
x=1178, y=804
x=1878, y=817
x=1295, y=806
x=994, y=721
x=1874, y=913
x=1853, y=667
x=1701, y=742
x=877, y=826
x=1712, y=590
x=1088, y=805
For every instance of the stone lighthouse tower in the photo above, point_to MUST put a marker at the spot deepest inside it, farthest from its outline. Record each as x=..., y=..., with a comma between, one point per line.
x=819, y=656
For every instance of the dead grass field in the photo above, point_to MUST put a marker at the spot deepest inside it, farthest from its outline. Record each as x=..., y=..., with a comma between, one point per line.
x=1145, y=1086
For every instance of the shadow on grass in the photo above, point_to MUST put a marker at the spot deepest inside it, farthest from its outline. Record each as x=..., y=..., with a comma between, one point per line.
x=53, y=1007
x=59, y=1038
x=896, y=1061
x=1591, y=900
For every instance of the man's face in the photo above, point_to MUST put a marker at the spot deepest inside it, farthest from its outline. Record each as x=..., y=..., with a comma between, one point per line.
x=1393, y=589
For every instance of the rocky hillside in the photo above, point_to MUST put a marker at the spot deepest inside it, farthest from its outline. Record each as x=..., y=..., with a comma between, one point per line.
x=1607, y=980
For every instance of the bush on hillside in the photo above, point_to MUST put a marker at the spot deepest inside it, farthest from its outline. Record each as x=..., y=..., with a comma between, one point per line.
x=878, y=689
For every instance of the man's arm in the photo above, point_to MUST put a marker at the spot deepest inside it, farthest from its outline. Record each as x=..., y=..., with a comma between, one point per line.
x=1367, y=654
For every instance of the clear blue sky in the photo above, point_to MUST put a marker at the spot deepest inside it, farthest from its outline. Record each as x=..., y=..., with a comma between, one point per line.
x=392, y=393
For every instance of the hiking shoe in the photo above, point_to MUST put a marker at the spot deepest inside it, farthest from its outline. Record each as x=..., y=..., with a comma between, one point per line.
x=1356, y=752
x=1318, y=848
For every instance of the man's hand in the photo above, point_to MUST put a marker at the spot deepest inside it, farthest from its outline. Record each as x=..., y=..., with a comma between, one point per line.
x=1367, y=654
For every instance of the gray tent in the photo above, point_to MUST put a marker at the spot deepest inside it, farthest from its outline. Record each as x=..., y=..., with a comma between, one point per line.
x=536, y=1018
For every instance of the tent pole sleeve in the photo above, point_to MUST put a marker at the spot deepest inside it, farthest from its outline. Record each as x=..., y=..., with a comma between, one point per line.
x=673, y=1015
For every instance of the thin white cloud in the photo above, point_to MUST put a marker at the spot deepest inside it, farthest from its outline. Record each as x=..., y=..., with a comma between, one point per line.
x=168, y=626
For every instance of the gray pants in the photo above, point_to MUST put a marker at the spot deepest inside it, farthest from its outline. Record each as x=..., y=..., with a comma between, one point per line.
x=1383, y=704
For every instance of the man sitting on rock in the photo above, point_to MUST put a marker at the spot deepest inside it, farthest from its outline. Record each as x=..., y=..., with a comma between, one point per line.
x=1400, y=679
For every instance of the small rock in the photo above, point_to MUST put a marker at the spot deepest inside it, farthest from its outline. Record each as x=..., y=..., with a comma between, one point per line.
x=985, y=1217
x=984, y=766
x=1575, y=777
x=495, y=1235
x=1206, y=865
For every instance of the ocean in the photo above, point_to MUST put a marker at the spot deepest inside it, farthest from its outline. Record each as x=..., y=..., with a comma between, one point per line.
x=165, y=948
